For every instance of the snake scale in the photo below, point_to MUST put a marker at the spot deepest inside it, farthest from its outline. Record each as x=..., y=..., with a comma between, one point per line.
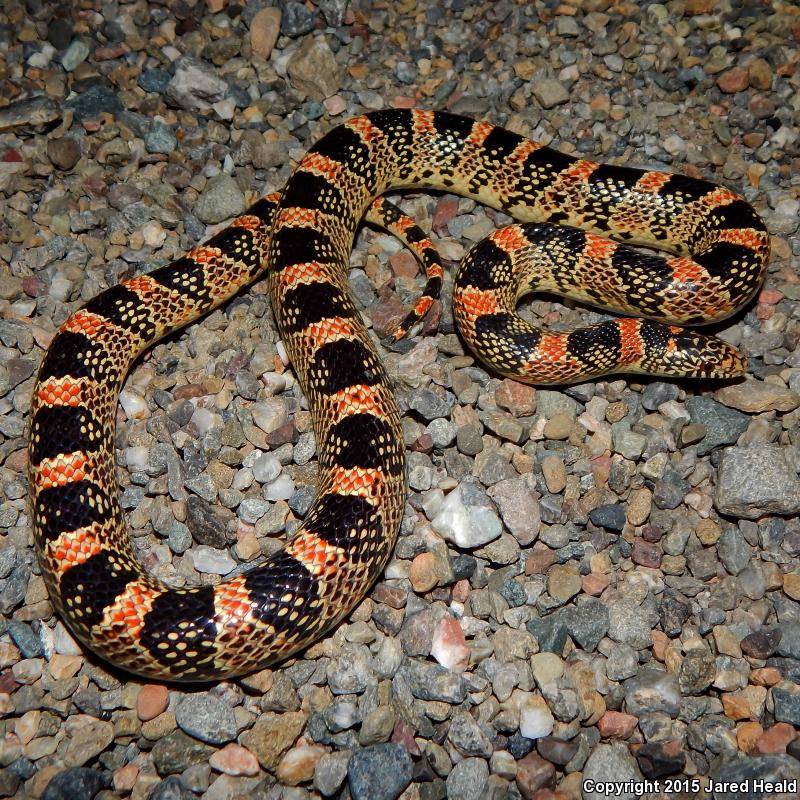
x=302, y=240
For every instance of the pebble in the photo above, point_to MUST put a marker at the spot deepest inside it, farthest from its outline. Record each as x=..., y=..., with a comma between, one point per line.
x=468, y=779
x=151, y=701
x=207, y=718
x=233, y=759
x=298, y=765
x=221, y=199
x=211, y=560
x=757, y=479
x=534, y=774
x=466, y=518
x=76, y=783
x=535, y=718
x=272, y=735
x=607, y=760
x=379, y=772
x=449, y=647
x=64, y=152
x=264, y=29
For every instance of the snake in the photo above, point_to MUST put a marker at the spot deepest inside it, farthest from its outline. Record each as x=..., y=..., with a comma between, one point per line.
x=580, y=229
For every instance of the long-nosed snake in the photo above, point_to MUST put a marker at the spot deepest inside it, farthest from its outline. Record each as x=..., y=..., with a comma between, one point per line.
x=302, y=239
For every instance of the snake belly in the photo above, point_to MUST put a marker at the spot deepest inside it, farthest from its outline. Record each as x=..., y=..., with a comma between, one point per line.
x=302, y=240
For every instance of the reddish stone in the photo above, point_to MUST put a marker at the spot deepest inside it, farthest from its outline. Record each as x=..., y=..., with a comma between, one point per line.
x=151, y=701
x=533, y=774
x=539, y=561
x=449, y=646
x=646, y=554
x=652, y=533
x=775, y=739
x=770, y=296
x=403, y=264
x=446, y=209
x=423, y=444
x=518, y=398
x=403, y=734
x=747, y=734
x=765, y=676
x=595, y=583
x=392, y=596
x=615, y=724
x=733, y=80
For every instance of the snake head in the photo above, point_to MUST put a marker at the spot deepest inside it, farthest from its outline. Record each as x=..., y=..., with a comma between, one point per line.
x=687, y=353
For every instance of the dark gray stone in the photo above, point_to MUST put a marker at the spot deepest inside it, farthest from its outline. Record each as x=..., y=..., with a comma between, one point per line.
x=723, y=425
x=379, y=772
x=77, y=783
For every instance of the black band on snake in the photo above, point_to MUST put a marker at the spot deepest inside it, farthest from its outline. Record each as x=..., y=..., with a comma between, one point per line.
x=302, y=240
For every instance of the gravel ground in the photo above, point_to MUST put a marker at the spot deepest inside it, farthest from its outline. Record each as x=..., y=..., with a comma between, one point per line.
x=591, y=584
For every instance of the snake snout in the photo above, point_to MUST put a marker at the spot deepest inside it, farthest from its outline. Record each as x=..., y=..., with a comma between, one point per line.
x=701, y=356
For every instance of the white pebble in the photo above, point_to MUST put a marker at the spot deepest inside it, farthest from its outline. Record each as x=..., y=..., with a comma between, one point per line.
x=209, y=559
x=153, y=234
x=280, y=489
x=535, y=719
x=133, y=404
x=266, y=468
x=468, y=527
x=204, y=420
x=137, y=458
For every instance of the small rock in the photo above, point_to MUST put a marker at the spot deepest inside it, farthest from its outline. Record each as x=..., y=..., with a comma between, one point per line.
x=607, y=760
x=207, y=718
x=535, y=718
x=755, y=397
x=468, y=779
x=233, y=759
x=64, y=152
x=379, y=772
x=550, y=92
x=661, y=758
x=151, y=701
x=533, y=774
x=449, y=646
x=313, y=70
x=757, y=479
x=221, y=199
x=78, y=783
x=616, y=725
x=264, y=30
x=298, y=765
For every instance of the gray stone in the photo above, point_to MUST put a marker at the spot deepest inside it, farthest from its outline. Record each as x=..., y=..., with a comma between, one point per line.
x=745, y=771
x=380, y=772
x=733, y=550
x=195, y=85
x=160, y=139
x=221, y=199
x=77, y=783
x=207, y=718
x=468, y=780
x=550, y=92
x=786, y=697
x=611, y=762
x=652, y=690
x=467, y=737
x=630, y=623
x=433, y=682
x=723, y=425
x=330, y=772
x=586, y=622
x=755, y=480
